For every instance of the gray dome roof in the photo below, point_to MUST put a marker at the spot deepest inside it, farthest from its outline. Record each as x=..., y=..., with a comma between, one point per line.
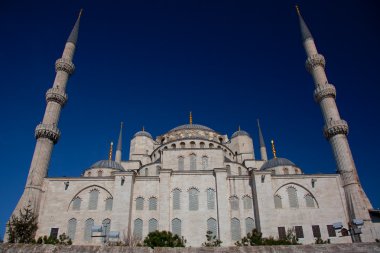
x=240, y=132
x=192, y=126
x=274, y=162
x=107, y=164
x=143, y=133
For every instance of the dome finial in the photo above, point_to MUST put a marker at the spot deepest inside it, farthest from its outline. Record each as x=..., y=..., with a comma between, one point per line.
x=239, y=128
x=143, y=128
x=273, y=149
x=191, y=118
x=110, y=153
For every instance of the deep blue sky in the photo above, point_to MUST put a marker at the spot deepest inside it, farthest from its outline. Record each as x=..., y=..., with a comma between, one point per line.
x=151, y=62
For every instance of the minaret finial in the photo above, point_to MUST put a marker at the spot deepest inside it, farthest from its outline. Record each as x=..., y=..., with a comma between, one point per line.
x=305, y=32
x=110, y=153
x=191, y=118
x=143, y=128
x=298, y=10
x=239, y=128
x=273, y=149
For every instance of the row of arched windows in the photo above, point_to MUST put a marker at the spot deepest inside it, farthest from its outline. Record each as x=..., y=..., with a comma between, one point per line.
x=193, y=162
x=138, y=227
x=89, y=223
x=293, y=199
x=99, y=173
x=93, y=201
x=152, y=203
x=236, y=228
x=247, y=202
x=193, y=194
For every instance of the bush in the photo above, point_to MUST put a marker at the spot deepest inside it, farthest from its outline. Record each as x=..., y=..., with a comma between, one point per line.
x=163, y=239
x=63, y=239
x=319, y=240
x=255, y=238
x=22, y=228
x=211, y=240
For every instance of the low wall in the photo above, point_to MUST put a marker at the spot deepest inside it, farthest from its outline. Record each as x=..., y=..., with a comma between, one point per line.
x=322, y=248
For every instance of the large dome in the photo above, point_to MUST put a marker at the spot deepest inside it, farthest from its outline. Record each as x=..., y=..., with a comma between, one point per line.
x=143, y=133
x=107, y=164
x=191, y=126
x=274, y=162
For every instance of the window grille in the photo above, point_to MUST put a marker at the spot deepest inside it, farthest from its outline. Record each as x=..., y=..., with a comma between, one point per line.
x=316, y=231
x=204, y=162
x=299, y=231
x=153, y=203
x=292, y=194
x=176, y=199
x=138, y=229
x=193, y=162
x=249, y=225
x=109, y=203
x=181, y=163
x=210, y=199
x=153, y=225
x=281, y=233
x=234, y=203
x=176, y=226
x=140, y=203
x=309, y=201
x=106, y=226
x=277, y=202
x=247, y=201
x=76, y=203
x=331, y=231
x=212, y=226
x=71, y=228
x=193, y=199
x=93, y=201
x=87, y=230
x=235, y=229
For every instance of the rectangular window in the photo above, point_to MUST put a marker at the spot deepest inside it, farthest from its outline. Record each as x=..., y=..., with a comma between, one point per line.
x=54, y=233
x=299, y=231
x=281, y=233
x=331, y=231
x=316, y=231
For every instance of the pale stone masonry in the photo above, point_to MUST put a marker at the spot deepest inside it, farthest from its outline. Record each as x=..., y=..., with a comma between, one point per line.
x=192, y=179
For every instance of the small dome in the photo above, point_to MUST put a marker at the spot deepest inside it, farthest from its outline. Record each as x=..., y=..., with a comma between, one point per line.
x=274, y=162
x=239, y=133
x=107, y=164
x=191, y=126
x=143, y=133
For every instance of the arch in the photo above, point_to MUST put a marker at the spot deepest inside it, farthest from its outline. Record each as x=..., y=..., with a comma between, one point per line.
x=193, y=162
x=174, y=146
x=89, y=174
x=100, y=173
x=192, y=144
x=176, y=199
x=247, y=202
x=182, y=145
x=212, y=226
x=152, y=225
x=249, y=225
x=277, y=202
x=153, y=203
x=71, y=228
x=202, y=144
x=211, y=145
x=106, y=223
x=89, y=223
x=235, y=229
x=139, y=203
x=181, y=163
x=234, y=203
x=204, y=162
x=109, y=204
x=286, y=171
x=138, y=229
x=193, y=199
x=93, y=199
x=90, y=186
x=176, y=226
x=210, y=199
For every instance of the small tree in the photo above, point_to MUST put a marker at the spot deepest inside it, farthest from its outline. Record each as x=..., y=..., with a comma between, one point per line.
x=163, y=239
x=211, y=240
x=22, y=228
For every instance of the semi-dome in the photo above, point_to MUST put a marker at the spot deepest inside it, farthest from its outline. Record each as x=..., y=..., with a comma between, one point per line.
x=143, y=133
x=240, y=133
x=107, y=164
x=191, y=126
x=274, y=162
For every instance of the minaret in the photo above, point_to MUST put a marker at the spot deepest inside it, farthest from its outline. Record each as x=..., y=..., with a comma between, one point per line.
x=263, y=149
x=119, y=145
x=335, y=130
x=47, y=132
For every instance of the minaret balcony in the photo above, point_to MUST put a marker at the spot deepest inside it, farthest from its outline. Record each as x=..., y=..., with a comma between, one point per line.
x=56, y=95
x=323, y=91
x=335, y=127
x=48, y=131
x=66, y=65
x=316, y=60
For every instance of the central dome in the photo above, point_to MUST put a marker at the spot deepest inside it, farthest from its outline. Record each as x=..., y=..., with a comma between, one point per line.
x=107, y=164
x=274, y=162
x=191, y=126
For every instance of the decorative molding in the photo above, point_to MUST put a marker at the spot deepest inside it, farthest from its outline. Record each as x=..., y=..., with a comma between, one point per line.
x=65, y=65
x=323, y=91
x=334, y=127
x=47, y=131
x=56, y=95
x=314, y=61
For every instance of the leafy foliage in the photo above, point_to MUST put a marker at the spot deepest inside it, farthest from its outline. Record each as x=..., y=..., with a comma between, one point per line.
x=163, y=239
x=211, y=241
x=319, y=240
x=63, y=239
x=255, y=238
x=22, y=228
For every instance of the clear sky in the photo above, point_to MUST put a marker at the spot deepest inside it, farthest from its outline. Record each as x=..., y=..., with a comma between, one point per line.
x=151, y=62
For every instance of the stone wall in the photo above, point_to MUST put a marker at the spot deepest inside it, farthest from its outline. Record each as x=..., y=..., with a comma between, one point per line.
x=348, y=248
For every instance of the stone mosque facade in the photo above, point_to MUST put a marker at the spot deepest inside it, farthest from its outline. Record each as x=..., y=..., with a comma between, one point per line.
x=192, y=179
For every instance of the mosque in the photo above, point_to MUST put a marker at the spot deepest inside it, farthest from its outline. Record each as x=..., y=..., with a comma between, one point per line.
x=194, y=179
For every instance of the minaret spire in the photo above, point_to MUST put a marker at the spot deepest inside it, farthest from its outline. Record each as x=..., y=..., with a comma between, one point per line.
x=47, y=132
x=73, y=38
x=335, y=131
x=263, y=149
x=119, y=144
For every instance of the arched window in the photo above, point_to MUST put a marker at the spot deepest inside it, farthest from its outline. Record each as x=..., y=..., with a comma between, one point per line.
x=176, y=199
x=153, y=203
x=146, y=172
x=107, y=226
x=182, y=144
x=153, y=225
x=100, y=173
x=204, y=162
x=93, y=200
x=193, y=162
x=277, y=202
x=247, y=202
x=211, y=145
x=286, y=171
x=219, y=147
x=139, y=203
x=202, y=145
x=87, y=229
x=212, y=226
x=174, y=146
x=76, y=203
x=235, y=229
x=210, y=199
x=181, y=163
x=234, y=203
x=176, y=226
x=109, y=203
x=239, y=171
x=71, y=228
x=192, y=144
x=309, y=201
x=228, y=167
x=293, y=199
x=249, y=225
x=138, y=229
x=193, y=199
